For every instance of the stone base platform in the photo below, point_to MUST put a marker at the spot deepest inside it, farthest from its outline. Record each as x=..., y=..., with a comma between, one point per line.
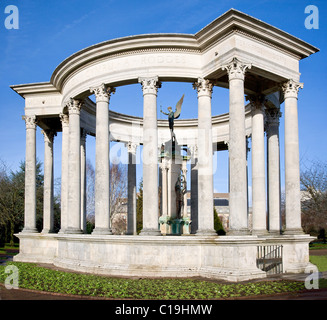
x=231, y=258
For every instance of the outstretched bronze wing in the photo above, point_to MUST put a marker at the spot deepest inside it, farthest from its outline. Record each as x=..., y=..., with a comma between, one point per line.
x=177, y=113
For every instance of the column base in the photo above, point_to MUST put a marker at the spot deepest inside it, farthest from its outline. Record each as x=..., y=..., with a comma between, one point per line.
x=274, y=233
x=30, y=230
x=262, y=232
x=73, y=231
x=293, y=231
x=238, y=232
x=102, y=231
x=47, y=231
x=150, y=232
x=206, y=232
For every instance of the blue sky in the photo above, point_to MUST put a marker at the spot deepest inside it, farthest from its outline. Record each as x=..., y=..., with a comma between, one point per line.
x=50, y=31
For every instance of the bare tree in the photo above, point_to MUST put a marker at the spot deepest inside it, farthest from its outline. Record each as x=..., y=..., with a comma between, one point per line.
x=314, y=197
x=118, y=195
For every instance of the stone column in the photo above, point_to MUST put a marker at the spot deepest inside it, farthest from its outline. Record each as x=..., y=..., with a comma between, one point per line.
x=259, y=225
x=194, y=189
x=30, y=176
x=48, y=182
x=237, y=149
x=102, y=164
x=292, y=162
x=74, y=168
x=205, y=161
x=150, y=157
x=273, y=167
x=83, y=180
x=131, y=189
x=64, y=171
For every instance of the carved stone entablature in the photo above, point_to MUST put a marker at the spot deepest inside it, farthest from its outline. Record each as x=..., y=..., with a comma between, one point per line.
x=236, y=69
x=30, y=121
x=102, y=92
x=291, y=88
x=150, y=85
x=203, y=87
x=74, y=106
x=64, y=118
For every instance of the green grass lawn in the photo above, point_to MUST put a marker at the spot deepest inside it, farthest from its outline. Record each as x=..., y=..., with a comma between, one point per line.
x=320, y=262
x=36, y=278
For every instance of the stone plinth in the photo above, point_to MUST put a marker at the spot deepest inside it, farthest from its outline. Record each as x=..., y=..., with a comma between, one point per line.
x=231, y=258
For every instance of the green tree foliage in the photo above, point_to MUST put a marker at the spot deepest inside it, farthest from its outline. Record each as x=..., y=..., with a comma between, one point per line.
x=12, y=192
x=139, y=209
x=217, y=223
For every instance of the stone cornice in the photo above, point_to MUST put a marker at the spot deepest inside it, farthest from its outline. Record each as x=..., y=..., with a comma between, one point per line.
x=232, y=21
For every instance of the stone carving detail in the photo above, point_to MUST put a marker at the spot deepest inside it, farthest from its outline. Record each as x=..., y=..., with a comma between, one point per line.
x=64, y=118
x=203, y=87
x=236, y=69
x=30, y=121
x=131, y=147
x=102, y=92
x=291, y=88
x=49, y=135
x=272, y=117
x=74, y=106
x=150, y=85
x=257, y=102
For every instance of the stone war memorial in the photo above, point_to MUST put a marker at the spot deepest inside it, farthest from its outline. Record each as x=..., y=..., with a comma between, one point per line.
x=259, y=65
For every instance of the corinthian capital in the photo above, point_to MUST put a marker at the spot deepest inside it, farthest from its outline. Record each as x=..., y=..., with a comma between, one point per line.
x=272, y=117
x=291, y=88
x=64, y=118
x=203, y=87
x=150, y=85
x=30, y=121
x=48, y=136
x=74, y=106
x=257, y=102
x=102, y=92
x=236, y=69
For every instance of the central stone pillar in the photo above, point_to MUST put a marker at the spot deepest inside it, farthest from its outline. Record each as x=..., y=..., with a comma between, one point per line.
x=131, y=186
x=273, y=171
x=292, y=161
x=64, y=171
x=48, y=182
x=83, y=180
x=258, y=167
x=102, y=164
x=74, y=167
x=30, y=176
x=205, y=162
x=238, y=220
x=150, y=157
